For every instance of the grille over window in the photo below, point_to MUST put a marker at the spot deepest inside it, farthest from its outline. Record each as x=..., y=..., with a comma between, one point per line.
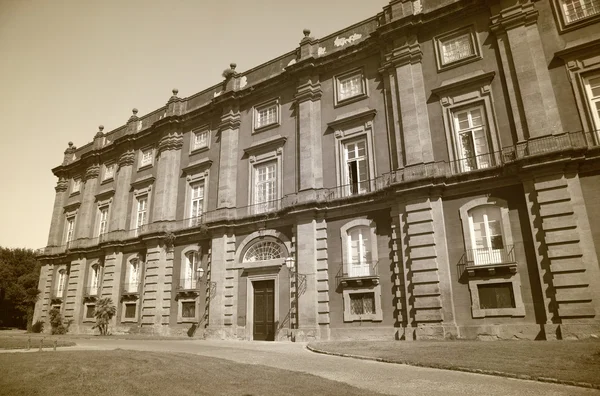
x=263, y=250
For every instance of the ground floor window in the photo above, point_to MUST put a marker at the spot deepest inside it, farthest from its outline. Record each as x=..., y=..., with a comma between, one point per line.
x=130, y=310
x=496, y=295
x=90, y=310
x=362, y=303
x=188, y=309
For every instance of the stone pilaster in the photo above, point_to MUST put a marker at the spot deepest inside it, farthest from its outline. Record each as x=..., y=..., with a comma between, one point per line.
x=322, y=279
x=231, y=282
x=228, y=129
x=111, y=278
x=399, y=278
x=566, y=255
x=118, y=212
x=407, y=88
x=166, y=185
x=427, y=271
x=308, y=99
x=45, y=287
x=84, y=227
x=308, y=233
x=158, y=280
x=74, y=297
x=218, y=274
x=56, y=225
x=527, y=77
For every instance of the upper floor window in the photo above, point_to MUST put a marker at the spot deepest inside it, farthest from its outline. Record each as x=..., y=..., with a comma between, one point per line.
x=359, y=260
x=188, y=279
x=356, y=176
x=200, y=139
x=263, y=250
x=146, y=157
x=266, y=114
x=487, y=239
x=94, y=279
x=265, y=190
x=349, y=86
x=133, y=277
x=76, y=186
x=196, y=201
x=456, y=47
x=576, y=10
x=142, y=211
x=109, y=171
x=70, y=232
x=471, y=139
x=103, y=220
x=592, y=91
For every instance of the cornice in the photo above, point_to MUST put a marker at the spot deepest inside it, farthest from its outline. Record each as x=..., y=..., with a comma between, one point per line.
x=478, y=78
x=353, y=116
x=576, y=48
x=72, y=206
x=92, y=172
x=126, y=159
x=264, y=144
x=230, y=120
x=105, y=194
x=309, y=91
x=170, y=142
x=513, y=17
x=409, y=53
x=142, y=181
x=197, y=167
x=61, y=185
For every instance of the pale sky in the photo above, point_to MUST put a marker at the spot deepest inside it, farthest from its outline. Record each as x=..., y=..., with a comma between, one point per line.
x=67, y=66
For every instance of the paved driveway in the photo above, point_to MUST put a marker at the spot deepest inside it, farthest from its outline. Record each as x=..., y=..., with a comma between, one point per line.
x=386, y=378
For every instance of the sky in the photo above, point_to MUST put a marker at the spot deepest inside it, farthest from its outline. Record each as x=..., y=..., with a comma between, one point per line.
x=67, y=66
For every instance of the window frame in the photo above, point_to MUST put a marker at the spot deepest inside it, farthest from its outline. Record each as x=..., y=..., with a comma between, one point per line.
x=594, y=113
x=441, y=39
x=75, y=186
x=142, y=152
x=60, y=284
x=339, y=78
x=262, y=106
x=377, y=316
x=346, y=242
x=87, y=306
x=266, y=151
x=70, y=219
x=108, y=177
x=98, y=269
x=124, y=318
x=564, y=25
x=101, y=209
x=457, y=132
x=204, y=129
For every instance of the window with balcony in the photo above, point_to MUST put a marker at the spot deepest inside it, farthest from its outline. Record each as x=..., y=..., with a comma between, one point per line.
x=196, y=204
x=95, y=274
x=133, y=275
x=488, y=264
x=102, y=220
x=70, y=229
x=266, y=115
x=592, y=92
x=265, y=187
x=60, y=283
x=456, y=48
x=471, y=139
x=189, y=271
x=356, y=175
x=141, y=211
x=349, y=87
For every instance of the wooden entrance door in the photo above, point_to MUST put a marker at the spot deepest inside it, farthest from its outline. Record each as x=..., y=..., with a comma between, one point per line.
x=264, y=310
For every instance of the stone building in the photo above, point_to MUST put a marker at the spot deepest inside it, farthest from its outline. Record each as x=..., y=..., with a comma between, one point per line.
x=430, y=172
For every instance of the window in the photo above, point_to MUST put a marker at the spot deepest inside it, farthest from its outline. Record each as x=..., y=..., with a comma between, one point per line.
x=472, y=145
x=263, y=250
x=188, y=278
x=142, y=211
x=592, y=91
x=133, y=278
x=76, y=186
x=94, y=279
x=103, y=220
x=196, y=202
x=70, y=229
x=109, y=171
x=359, y=260
x=496, y=295
x=349, y=87
x=487, y=240
x=362, y=303
x=266, y=114
x=576, y=10
x=130, y=309
x=456, y=48
x=188, y=309
x=61, y=282
x=265, y=191
x=89, y=311
x=146, y=157
x=356, y=177
x=200, y=139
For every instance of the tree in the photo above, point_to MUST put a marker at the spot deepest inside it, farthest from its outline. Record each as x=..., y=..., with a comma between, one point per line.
x=19, y=275
x=104, y=312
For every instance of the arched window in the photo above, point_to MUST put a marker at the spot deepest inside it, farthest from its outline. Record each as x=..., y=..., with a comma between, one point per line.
x=60, y=283
x=487, y=235
x=359, y=251
x=94, y=279
x=189, y=271
x=264, y=250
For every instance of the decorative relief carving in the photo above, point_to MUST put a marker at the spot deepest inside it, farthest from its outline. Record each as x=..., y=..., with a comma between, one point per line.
x=61, y=185
x=341, y=41
x=243, y=82
x=127, y=158
x=573, y=65
x=279, y=150
x=170, y=142
x=216, y=94
x=368, y=124
x=321, y=51
x=292, y=62
x=92, y=172
x=252, y=159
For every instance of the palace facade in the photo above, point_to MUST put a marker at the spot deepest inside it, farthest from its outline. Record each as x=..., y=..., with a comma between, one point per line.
x=432, y=172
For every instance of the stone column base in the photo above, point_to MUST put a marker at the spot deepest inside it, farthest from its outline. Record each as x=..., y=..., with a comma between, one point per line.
x=435, y=332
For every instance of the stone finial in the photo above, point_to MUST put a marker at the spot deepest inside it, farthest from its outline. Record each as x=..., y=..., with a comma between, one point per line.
x=306, y=37
x=232, y=66
x=228, y=73
x=134, y=116
x=174, y=97
x=70, y=149
x=99, y=134
x=306, y=32
x=175, y=91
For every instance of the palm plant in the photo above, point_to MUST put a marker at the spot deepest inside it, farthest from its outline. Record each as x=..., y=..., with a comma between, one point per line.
x=104, y=312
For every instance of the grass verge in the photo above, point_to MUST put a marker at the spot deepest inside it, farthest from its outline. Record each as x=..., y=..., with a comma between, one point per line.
x=22, y=341
x=575, y=361
x=122, y=373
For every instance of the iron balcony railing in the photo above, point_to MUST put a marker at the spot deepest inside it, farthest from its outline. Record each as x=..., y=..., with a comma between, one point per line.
x=91, y=291
x=486, y=257
x=357, y=270
x=131, y=287
x=188, y=283
x=56, y=293
x=530, y=148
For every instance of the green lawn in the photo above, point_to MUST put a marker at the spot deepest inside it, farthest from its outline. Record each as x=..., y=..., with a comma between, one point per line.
x=577, y=361
x=21, y=341
x=121, y=373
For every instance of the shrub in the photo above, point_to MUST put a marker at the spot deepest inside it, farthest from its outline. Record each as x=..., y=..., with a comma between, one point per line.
x=104, y=312
x=56, y=322
x=37, y=327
